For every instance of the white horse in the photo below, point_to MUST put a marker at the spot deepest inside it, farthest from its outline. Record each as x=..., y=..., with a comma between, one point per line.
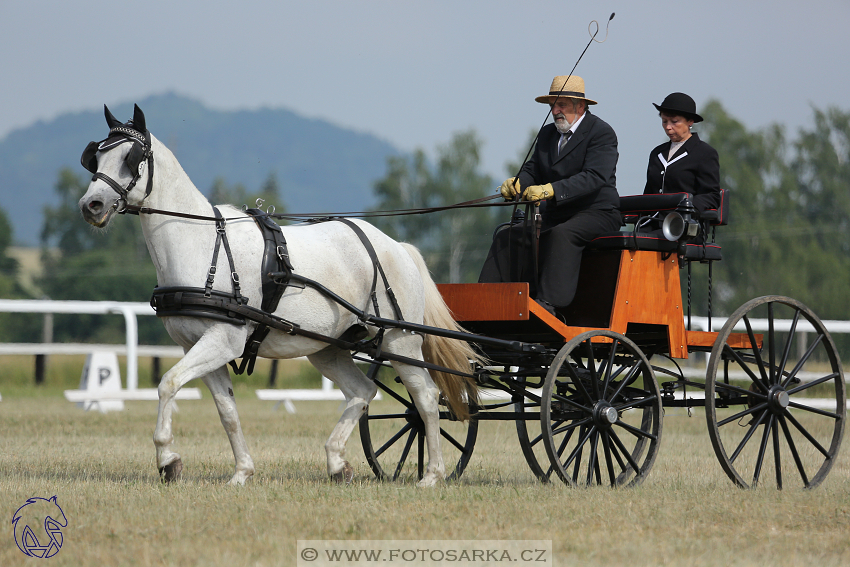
x=329, y=253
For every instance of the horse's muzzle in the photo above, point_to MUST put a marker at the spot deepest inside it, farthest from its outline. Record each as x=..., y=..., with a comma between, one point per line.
x=96, y=212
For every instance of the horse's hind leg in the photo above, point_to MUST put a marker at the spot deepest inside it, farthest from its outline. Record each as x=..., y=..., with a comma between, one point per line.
x=337, y=365
x=425, y=395
x=221, y=389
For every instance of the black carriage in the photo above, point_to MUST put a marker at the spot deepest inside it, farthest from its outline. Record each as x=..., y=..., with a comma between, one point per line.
x=587, y=393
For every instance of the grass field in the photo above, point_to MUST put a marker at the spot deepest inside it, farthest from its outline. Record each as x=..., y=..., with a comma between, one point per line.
x=101, y=468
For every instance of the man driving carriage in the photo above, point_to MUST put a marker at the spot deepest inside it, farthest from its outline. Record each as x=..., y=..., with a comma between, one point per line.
x=571, y=176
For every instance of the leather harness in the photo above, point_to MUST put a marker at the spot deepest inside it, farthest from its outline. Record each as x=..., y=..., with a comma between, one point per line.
x=277, y=272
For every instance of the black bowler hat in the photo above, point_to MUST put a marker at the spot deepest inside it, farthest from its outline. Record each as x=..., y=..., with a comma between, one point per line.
x=679, y=104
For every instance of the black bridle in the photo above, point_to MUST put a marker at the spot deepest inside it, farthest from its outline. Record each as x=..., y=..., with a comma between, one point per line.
x=140, y=154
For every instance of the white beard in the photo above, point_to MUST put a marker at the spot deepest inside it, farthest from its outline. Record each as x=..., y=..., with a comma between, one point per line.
x=563, y=126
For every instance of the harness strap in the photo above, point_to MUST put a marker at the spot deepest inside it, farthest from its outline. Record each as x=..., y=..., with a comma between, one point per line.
x=378, y=268
x=193, y=297
x=221, y=237
x=276, y=272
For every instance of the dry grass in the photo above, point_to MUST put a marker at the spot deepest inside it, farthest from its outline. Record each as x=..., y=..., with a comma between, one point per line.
x=102, y=469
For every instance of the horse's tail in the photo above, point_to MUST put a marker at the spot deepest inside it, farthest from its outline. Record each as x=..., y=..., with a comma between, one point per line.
x=449, y=353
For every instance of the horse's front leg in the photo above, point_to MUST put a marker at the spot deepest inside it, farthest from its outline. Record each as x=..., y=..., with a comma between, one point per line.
x=217, y=346
x=221, y=389
x=358, y=390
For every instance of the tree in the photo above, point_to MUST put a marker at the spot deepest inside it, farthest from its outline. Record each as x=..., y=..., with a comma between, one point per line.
x=238, y=195
x=790, y=207
x=454, y=243
x=14, y=327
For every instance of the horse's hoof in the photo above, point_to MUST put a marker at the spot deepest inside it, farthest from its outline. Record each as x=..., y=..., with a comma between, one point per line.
x=171, y=472
x=428, y=481
x=345, y=476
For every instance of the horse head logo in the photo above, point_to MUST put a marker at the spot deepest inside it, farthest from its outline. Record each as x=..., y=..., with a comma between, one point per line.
x=38, y=527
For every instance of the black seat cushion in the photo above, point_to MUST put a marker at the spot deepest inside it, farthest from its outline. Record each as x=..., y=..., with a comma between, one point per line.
x=703, y=252
x=627, y=240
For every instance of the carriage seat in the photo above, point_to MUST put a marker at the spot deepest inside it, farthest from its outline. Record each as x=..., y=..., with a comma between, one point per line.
x=634, y=208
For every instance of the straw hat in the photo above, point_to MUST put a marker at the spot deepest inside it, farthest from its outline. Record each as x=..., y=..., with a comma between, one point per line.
x=565, y=86
x=679, y=104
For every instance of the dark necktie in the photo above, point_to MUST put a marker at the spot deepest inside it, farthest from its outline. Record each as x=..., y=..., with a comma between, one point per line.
x=563, y=141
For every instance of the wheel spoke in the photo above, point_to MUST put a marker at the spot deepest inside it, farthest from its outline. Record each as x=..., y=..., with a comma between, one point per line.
x=807, y=385
x=625, y=452
x=577, y=451
x=393, y=394
x=393, y=439
x=806, y=434
x=762, y=447
x=452, y=440
x=594, y=375
x=388, y=416
x=536, y=440
x=404, y=453
x=616, y=453
x=771, y=336
x=571, y=425
x=566, y=440
x=609, y=368
x=739, y=415
x=634, y=430
x=579, y=386
x=793, y=448
x=777, y=460
x=737, y=390
x=637, y=403
x=591, y=465
x=803, y=360
x=744, y=366
x=606, y=444
x=420, y=461
x=811, y=409
x=567, y=400
x=787, y=349
x=747, y=437
x=756, y=352
x=634, y=370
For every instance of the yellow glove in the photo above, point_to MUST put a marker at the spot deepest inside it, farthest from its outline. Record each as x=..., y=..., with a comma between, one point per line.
x=539, y=192
x=510, y=188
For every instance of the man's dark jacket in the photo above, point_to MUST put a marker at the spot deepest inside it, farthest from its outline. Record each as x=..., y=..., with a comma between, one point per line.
x=583, y=175
x=697, y=173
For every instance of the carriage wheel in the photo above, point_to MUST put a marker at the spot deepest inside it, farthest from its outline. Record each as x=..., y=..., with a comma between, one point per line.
x=602, y=417
x=777, y=411
x=394, y=443
x=532, y=445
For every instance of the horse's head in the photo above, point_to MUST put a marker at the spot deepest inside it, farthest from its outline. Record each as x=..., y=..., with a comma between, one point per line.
x=122, y=165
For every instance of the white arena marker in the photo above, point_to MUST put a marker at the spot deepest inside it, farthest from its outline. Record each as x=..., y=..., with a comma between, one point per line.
x=101, y=375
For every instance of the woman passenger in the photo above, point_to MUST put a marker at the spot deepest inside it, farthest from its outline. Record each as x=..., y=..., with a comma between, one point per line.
x=684, y=164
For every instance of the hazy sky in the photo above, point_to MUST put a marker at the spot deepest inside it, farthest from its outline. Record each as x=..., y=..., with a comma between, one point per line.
x=413, y=73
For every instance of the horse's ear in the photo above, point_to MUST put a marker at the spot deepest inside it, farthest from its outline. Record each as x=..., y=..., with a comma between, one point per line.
x=139, y=119
x=111, y=121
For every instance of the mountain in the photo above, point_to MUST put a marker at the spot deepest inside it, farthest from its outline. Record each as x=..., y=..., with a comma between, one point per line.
x=309, y=157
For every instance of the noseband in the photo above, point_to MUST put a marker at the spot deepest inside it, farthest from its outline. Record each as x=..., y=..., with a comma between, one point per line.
x=140, y=153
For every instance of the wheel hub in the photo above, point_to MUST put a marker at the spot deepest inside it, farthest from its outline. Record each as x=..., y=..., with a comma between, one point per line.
x=778, y=399
x=604, y=414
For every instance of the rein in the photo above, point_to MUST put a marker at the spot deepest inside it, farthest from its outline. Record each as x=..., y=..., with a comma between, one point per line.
x=475, y=203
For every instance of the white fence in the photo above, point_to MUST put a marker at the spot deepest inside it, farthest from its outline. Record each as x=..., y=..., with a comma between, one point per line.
x=129, y=310
x=132, y=350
